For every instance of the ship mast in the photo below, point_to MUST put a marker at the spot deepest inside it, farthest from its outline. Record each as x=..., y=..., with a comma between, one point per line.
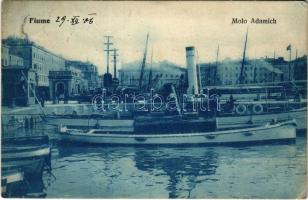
x=241, y=78
x=143, y=63
x=150, y=73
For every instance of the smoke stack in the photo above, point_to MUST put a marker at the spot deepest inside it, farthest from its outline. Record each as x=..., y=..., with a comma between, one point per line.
x=192, y=71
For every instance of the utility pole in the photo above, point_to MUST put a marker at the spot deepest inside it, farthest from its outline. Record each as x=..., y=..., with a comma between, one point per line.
x=108, y=43
x=115, y=55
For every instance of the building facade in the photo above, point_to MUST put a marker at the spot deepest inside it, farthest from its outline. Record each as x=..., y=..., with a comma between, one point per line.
x=292, y=71
x=162, y=73
x=45, y=71
x=227, y=72
x=17, y=81
x=66, y=84
x=10, y=60
x=90, y=73
x=38, y=59
x=299, y=67
x=283, y=66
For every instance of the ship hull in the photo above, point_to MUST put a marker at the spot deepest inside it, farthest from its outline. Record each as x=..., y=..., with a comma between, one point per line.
x=299, y=115
x=120, y=124
x=281, y=131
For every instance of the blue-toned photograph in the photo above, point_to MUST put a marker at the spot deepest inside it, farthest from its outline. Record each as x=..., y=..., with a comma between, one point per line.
x=154, y=99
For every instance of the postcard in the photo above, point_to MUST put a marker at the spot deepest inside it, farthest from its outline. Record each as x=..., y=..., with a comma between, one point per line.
x=154, y=99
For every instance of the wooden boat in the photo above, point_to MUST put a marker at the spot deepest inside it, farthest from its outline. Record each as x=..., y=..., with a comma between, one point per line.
x=32, y=168
x=28, y=154
x=10, y=181
x=25, y=147
x=24, y=152
x=24, y=141
x=265, y=133
x=235, y=121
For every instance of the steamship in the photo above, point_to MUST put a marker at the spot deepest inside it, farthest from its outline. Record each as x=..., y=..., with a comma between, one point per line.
x=182, y=128
x=252, y=121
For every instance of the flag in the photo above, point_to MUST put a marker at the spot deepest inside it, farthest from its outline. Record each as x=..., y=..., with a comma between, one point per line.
x=289, y=47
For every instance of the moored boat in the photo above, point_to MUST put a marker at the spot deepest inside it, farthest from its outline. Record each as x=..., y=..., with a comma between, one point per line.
x=255, y=105
x=29, y=154
x=235, y=121
x=266, y=133
x=18, y=152
x=25, y=147
x=32, y=168
x=25, y=141
x=10, y=181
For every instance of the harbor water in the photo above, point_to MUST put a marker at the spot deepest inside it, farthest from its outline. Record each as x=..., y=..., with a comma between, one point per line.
x=87, y=171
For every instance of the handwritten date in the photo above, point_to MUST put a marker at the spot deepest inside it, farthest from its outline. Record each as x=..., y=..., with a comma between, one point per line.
x=74, y=20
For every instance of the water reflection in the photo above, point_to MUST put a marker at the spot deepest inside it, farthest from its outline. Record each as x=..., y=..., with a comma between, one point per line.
x=180, y=165
x=265, y=171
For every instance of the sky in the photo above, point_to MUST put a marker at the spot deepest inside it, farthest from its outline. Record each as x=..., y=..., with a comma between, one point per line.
x=172, y=26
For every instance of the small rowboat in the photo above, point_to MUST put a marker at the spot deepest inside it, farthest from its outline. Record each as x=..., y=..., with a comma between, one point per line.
x=269, y=132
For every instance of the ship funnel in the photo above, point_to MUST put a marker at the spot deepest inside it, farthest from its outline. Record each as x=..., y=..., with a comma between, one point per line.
x=191, y=71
